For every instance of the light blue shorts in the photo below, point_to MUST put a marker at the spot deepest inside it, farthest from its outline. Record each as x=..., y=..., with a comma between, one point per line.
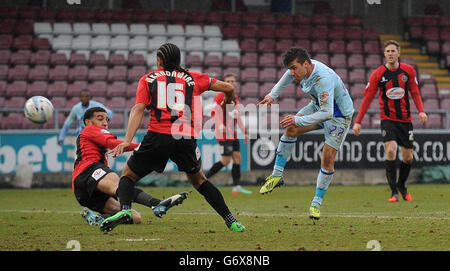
x=335, y=129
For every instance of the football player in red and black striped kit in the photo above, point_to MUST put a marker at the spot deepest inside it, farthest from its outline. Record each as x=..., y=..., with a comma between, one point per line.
x=172, y=94
x=93, y=182
x=395, y=82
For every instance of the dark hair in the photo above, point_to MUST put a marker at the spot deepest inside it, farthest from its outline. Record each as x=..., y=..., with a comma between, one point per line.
x=391, y=42
x=85, y=90
x=90, y=112
x=295, y=53
x=170, y=56
x=229, y=75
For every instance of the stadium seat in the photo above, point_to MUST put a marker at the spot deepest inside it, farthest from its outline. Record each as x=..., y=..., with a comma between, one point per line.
x=5, y=56
x=6, y=41
x=236, y=71
x=212, y=60
x=338, y=61
x=214, y=71
x=445, y=103
x=357, y=76
x=428, y=91
x=81, y=42
x=131, y=90
x=40, y=57
x=78, y=73
x=430, y=33
x=342, y=72
x=20, y=57
x=319, y=46
x=304, y=43
x=249, y=45
x=337, y=33
x=249, y=89
x=100, y=42
x=16, y=89
x=267, y=75
x=354, y=33
x=212, y=31
x=82, y=28
x=267, y=60
x=115, y=102
x=98, y=89
x=354, y=47
x=116, y=89
x=230, y=61
x=249, y=74
x=249, y=32
x=337, y=47
x=57, y=89
x=287, y=104
x=40, y=44
x=194, y=44
x=4, y=70
x=136, y=72
x=356, y=61
x=74, y=89
x=266, y=32
x=13, y=120
x=117, y=73
x=323, y=57
x=18, y=72
x=356, y=90
x=37, y=88
x=119, y=42
x=249, y=60
x=283, y=45
x=97, y=59
x=59, y=72
x=266, y=45
x=231, y=31
x=58, y=59
x=373, y=61
x=119, y=29
x=285, y=31
x=118, y=121
x=23, y=42
x=98, y=73
x=431, y=103
x=38, y=72
x=434, y=121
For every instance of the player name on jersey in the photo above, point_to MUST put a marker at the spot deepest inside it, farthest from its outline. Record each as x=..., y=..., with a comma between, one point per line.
x=186, y=77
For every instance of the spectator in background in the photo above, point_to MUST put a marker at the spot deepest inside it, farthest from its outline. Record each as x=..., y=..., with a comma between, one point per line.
x=77, y=113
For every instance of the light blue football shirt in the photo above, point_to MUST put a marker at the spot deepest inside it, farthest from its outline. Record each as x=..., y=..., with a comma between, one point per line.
x=329, y=96
x=77, y=114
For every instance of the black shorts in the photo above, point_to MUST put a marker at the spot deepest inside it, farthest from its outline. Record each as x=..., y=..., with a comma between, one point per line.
x=401, y=132
x=228, y=147
x=85, y=187
x=156, y=149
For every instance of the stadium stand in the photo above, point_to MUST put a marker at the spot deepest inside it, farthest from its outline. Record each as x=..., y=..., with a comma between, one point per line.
x=65, y=50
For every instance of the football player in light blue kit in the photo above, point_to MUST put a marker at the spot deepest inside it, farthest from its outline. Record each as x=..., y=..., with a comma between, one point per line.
x=77, y=113
x=331, y=109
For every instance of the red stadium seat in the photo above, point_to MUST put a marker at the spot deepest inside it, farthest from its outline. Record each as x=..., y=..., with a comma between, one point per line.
x=249, y=45
x=337, y=47
x=98, y=73
x=58, y=59
x=57, y=89
x=19, y=72
x=37, y=88
x=267, y=60
x=12, y=121
x=40, y=57
x=78, y=73
x=434, y=121
x=249, y=74
x=354, y=33
x=16, y=88
x=236, y=71
x=338, y=61
x=431, y=103
x=268, y=75
x=131, y=90
x=249, y=32
x=117, y=73
x=305, y=44
x=58, y=102
x=319, y=46
x=287, y=103
x=97, y=59
x=356, y=90
x=74, y=89
x=266, y=45
x=20, y=57
x=41, y=44
x=324, y=58
x=4, y=70
x=431, y=33
x=343, y=74
x=6, y=41
x=336, y=33
x=230, y=61
x=23, y=42
x=266, y=32
x=117, y=121
x=214, y=71
x=250, y=18
x=136, y=59
x=117, y=89
x=249, y=60
x=59, y=72
x=249, y=89
x=38, y=72
x=5, y=56
x=98, y=89
x=320, y=32
x=115, y=102
x=117, y=59
x=193, y=60
x=283, y=45
x=356, y=61
x=136, y=72
x=212, y=60
x=357, y=76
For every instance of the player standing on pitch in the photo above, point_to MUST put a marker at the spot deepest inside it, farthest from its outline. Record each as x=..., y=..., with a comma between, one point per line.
x=226, y=134
x=173, y=96
x=395, y=81
x=77, y=113
x=331, y=108
x=93, y=182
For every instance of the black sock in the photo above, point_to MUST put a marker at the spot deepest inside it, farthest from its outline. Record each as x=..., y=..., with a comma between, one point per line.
x=391, y=175
x=236, y=173
x=125, y=192
x=145, y=199
x=215, y=199
x=403, y=176
x=214, y=169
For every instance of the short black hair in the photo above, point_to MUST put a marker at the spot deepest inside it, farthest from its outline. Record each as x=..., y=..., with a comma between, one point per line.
x=85, y=90
x=170, y=56
x=295, y=53
x=90, y=112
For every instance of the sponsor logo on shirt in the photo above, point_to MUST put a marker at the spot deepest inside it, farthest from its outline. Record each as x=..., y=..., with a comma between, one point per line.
x=395, y=93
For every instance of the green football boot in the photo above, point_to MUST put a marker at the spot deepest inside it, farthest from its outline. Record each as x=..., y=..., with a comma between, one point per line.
x=272, y=182
x=237, y=227
x=121, y=217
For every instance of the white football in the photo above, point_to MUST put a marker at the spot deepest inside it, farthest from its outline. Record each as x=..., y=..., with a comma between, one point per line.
x=38, y=109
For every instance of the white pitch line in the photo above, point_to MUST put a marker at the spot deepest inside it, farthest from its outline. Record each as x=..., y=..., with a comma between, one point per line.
x=345, y=215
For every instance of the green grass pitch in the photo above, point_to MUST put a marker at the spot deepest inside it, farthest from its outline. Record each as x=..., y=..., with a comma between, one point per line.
x=353, y=218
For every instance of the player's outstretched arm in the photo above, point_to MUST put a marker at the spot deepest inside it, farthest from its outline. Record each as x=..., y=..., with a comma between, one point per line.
x=228, y=89
x=134, y=121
